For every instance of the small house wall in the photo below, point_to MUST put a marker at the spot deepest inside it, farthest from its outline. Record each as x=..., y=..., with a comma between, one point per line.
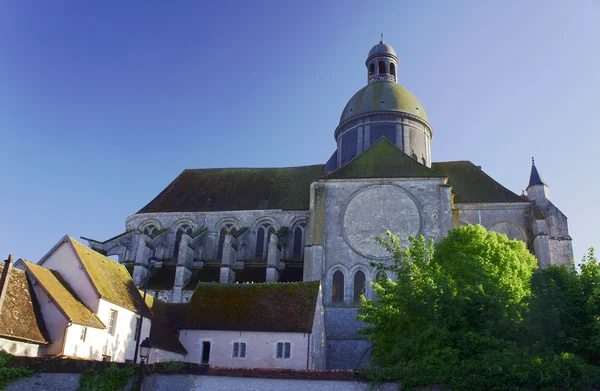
x=64, y=260
x=54, y=319
x=261, y=348
x=19, y=348
x=120, y=346
x=160, y=355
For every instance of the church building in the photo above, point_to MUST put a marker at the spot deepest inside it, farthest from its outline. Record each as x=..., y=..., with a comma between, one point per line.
x=317, y=223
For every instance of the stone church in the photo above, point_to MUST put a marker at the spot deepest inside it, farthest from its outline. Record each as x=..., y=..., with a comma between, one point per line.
x=318, y=222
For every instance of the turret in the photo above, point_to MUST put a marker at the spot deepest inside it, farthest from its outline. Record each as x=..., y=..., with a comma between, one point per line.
x=537, y=191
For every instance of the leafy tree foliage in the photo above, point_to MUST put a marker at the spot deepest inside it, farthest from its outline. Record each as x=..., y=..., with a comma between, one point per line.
x=472, y=313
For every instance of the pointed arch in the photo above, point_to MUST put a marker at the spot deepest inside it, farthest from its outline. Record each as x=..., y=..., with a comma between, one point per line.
x=337, y=287
x=360, y=283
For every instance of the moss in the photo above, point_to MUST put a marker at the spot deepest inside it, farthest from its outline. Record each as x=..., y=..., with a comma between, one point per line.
x=470, y=184
x=383, y=160
x=217, y=189
x=54, y=287
x=281, y=307
x=111, y=279
x=161, y=333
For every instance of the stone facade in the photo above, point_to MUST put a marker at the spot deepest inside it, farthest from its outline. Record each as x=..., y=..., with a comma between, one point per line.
x=331, y=238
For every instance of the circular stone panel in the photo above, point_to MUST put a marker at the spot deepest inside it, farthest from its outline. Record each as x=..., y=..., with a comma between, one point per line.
x=374, y=210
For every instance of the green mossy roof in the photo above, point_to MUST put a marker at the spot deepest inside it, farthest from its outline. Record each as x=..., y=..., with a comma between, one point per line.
x=394, y=98
x=219, y=189
x=53, y=285
x=161, y=333
x=278, y=307
x=20, y=317
x=111, y=279
x=383, y=160
x=471, y=185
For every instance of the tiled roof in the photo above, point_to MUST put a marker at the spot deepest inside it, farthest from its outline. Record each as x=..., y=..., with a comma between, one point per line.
x=383, y=160
x=111, y=279
x=56, y=288
x=20, y=317
x=276, y=307
x=472, y=185
x=162, y=334
x=217, y=189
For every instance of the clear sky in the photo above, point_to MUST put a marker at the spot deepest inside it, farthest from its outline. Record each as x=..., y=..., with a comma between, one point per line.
x=103, y=104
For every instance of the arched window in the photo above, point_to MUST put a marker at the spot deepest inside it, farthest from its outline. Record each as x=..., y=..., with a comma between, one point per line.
x=150, y=230
x=262, y=241
x=178, y=234
x=298, y=242
x=371, y=69
x=423, y=160
x=414, y=156
x=392, y=69
x=222, y=234
x=359, y=286
x=382, y=68
x=337, y=288
x=381, y=275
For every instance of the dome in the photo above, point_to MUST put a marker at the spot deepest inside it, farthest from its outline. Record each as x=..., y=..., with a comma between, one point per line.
x=382, y=48
x=383, y=97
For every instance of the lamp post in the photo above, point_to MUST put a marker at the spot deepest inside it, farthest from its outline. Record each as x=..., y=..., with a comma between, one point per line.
x=144, y=353
x=139, y=327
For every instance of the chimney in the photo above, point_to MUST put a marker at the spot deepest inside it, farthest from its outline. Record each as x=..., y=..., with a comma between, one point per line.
x=4, y=280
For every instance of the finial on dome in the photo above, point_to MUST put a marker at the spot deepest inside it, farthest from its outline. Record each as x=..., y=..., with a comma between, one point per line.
x=381, y=38
x=532, y=161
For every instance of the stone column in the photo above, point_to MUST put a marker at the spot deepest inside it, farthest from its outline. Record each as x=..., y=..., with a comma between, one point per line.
x=183, y=273
x=227, y=274
x=273, y=259
x=141, y=267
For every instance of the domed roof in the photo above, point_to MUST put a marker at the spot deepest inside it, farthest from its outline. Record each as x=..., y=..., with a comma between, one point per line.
x=382, y=48
x=383, y=97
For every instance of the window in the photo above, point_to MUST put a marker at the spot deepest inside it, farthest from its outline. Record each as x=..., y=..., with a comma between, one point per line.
x=371, y=69
x=284, y=350
x=359, y=286
x=137, y=326
x=381, y=274
x=298, y=239
x=337, y=292
x=83, y=333
x=239, y=350
x=382, y=68
x=151, y=230
x=112, y=322
x=392, y=69
x=262, y=241
x=205, y=352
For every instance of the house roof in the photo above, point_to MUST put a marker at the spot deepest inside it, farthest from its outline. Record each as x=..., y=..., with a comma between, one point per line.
x=218, y=189
x=64, y=298
x=20, y=317
x=275, y=307
x=162, y=333
x=383, y=160
x=111, y=279
x=470, y=184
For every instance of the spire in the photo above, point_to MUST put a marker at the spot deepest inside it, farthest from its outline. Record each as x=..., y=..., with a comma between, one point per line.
x=535, y=178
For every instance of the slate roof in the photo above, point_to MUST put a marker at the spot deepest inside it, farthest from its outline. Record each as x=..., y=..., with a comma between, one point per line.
x=383, y=160
x=162, y=333
x=535, y=178
x=472, y=185
x=56, y=288
x=276, y=307
x=111, y=279
x=20, y=317
x=219, y=189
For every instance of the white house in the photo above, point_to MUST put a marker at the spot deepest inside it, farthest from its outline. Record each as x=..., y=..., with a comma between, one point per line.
x=89, y=303
x=277, y=325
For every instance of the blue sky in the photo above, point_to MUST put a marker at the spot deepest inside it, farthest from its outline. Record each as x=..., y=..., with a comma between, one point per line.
x=103, y=103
